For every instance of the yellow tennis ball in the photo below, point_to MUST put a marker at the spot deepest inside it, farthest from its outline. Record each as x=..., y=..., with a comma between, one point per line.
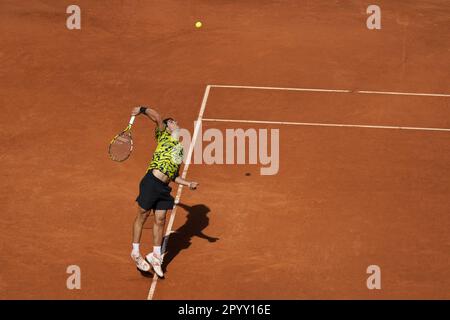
x=198, y=24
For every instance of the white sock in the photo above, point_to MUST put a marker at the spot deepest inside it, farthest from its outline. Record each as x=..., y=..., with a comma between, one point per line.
x=135, y=248
x=157, y=251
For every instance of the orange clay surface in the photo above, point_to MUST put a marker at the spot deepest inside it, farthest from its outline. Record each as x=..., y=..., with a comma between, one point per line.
x=343, y=199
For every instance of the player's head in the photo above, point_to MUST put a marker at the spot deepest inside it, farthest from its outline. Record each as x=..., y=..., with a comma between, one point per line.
x=171, y=124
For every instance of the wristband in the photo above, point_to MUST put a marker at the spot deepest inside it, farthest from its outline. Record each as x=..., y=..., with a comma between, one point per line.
x=142, y=109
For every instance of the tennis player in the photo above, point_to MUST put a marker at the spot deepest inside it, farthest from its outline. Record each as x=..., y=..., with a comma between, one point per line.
x=154, y=190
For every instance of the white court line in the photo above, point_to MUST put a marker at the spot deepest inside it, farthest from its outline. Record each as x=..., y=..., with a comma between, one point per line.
x=406, y=93
x=151, y=292
x=325, y=124
x=280, y=88
x=334, y=90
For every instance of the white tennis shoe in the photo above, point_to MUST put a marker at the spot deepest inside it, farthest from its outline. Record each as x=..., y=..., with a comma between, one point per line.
x=156, y=263
x=141, y=264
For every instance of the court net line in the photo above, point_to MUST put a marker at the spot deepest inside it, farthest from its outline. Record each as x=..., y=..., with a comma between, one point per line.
x=326, y=124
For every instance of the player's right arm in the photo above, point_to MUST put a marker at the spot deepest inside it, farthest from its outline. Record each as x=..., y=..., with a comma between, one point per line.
x=152, y=114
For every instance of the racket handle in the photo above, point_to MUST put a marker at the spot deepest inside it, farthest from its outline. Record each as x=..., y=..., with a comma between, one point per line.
x=131, y=120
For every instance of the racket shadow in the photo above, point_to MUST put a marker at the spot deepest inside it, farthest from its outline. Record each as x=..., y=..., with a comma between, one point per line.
x=196, y=220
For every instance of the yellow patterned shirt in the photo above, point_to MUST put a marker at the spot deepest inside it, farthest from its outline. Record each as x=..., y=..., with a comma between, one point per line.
x=168, y=155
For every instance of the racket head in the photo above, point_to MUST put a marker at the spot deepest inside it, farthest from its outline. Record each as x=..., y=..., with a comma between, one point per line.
x=121, y=146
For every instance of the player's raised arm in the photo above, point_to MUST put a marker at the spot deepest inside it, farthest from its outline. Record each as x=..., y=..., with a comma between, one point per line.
x=152, y=114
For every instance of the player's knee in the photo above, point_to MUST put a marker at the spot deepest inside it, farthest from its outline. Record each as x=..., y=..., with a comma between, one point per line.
x=143, y=215
x=160, y=221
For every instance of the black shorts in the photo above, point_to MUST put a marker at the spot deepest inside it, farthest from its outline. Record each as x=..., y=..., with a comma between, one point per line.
x=154, y=194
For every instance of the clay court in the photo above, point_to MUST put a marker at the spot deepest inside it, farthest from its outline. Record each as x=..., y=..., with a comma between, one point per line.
x=364, y=154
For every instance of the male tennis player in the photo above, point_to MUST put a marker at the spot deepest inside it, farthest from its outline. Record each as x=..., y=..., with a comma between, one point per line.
x=154, y=190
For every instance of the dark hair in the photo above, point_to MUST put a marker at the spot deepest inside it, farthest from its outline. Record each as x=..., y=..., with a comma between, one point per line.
x=166, y=120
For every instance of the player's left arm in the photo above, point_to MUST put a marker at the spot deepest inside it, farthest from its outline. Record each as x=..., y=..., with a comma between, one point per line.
x=191, y=184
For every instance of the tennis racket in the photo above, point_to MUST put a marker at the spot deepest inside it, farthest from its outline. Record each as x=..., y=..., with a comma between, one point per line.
x=121, y=145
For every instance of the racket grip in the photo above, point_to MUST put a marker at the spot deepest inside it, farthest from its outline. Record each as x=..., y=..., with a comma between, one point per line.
x=131, y=120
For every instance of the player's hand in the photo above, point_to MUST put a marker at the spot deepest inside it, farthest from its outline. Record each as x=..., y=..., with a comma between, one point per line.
x=193, y=185
x=135, y=111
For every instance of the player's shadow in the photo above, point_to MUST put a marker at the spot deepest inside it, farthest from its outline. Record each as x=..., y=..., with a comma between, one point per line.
x=196, y=220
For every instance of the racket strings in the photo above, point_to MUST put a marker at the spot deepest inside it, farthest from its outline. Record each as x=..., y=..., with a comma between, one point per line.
x=120, y=148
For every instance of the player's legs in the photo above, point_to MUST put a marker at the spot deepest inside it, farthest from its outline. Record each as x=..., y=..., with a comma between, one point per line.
x=138, y=224
x=155, y=257
x=154, y=194
x=139, y=221
x=158, y=227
